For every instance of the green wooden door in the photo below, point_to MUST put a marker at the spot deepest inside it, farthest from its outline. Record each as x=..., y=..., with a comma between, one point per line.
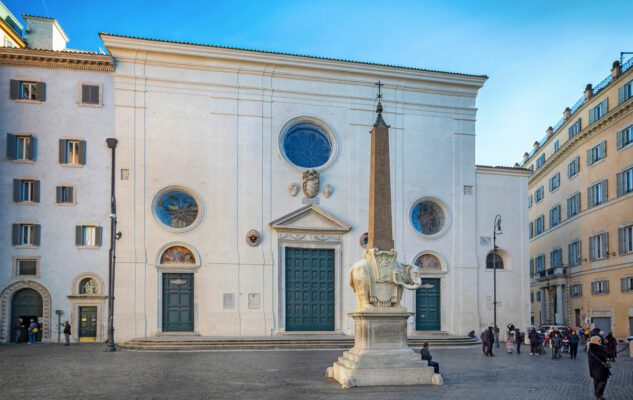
x=177, y=302
x=309, y=289
x=87, y=324
x=427, y=310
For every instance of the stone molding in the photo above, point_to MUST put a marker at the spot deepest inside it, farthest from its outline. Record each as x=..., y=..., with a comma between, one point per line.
x=5, y=308
x=289, y=237
x=322, y=222
x=56, y=59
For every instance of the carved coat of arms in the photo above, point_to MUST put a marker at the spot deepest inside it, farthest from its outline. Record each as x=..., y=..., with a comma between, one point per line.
x=310, y=183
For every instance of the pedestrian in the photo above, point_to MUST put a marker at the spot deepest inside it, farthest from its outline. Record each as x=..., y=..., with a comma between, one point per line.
x=533, y=336
x=426, y=355
x=67, y=333
x=602, y=336
x=19, y=330
x=556, y=342
x=519, y=337
x=491, y=341
x=574, y=339
x=484, y=342
x=598, y=366
x=510, y=343
x=33, y=330
x=611, y=345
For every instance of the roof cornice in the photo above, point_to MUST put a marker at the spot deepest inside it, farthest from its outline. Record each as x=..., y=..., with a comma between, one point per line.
x=584, y=135
x=485, y=169
x=113, y=41
x=56, y=59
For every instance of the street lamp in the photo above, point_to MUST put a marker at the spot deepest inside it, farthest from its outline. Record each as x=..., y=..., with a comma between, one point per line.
x=496, y=230
x=111, y=347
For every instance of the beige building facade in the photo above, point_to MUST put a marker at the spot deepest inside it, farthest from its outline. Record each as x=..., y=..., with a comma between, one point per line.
x=581, y=211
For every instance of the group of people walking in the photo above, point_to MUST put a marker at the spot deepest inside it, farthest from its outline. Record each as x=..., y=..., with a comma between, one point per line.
x=33, y=330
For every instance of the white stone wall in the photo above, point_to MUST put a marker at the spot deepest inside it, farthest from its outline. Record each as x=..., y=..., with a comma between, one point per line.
x=59, y=117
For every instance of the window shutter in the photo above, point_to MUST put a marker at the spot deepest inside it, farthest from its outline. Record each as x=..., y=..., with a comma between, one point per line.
x=15, y=89
x=99, y=236
x=621, y=92
x=589, y=160
x=605, y=105
x=11, y=147
x=62, y=151
x=605, y=188
x=605, y=244
x=41, y=91
x=623, y=284
x=579, y=252
x=94, y=98
x=71, y=194
x=592, y=115
x=85, y=94
x=621, y=240
x=78, y=238
x=36, y=191
x=82, y=152
x=620, y=183
x=16, y=190
x=58, y=196
x=37, y=231
x=603, y=148
x=590, y=197
x=33, y=149
x=592, y=242
x=15, y=234
x=620, y=139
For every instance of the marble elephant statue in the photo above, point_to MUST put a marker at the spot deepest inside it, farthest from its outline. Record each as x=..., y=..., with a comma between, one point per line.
x=405, y=276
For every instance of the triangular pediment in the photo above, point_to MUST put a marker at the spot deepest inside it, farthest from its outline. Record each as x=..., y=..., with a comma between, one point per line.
x=310, y=218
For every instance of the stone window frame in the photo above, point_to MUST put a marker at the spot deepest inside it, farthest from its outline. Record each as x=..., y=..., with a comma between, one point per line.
x=443, y=263
x=80, y=102
x=447, y=216
x=14, y=270
x=327, y=129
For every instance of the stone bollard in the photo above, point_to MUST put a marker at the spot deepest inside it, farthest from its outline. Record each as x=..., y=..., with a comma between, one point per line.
x=631, y=348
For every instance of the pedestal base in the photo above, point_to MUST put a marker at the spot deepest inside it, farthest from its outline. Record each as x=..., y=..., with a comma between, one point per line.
x=380, y=355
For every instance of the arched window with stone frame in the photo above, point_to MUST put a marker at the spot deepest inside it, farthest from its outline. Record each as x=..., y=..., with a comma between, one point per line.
x=494, y=261
x=89, y=286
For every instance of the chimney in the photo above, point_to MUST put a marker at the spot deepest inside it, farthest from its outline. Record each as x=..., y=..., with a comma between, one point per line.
x=588, y=92
x=550, y=132
x=536, y=146
x=516, y=165
x=44, y=33
x=526, y=157
x=567, y=114
x=616, y=70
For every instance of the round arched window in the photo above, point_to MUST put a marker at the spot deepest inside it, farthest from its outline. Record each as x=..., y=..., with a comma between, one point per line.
x=177, y=255
x=176, y=209
x=428, y=217
x=494, y=261
x=307, y=145
x=89, y=286
x=428, y=263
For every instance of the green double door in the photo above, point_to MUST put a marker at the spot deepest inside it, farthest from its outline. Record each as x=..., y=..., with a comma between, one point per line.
x=177, y=302
x=309, y=289
x=427, y=301
x=87, y=324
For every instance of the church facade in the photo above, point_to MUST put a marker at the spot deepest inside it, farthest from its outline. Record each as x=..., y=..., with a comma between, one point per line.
x=242, y=193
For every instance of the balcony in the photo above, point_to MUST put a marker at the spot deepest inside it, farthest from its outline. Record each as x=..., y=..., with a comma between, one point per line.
x=554, y=272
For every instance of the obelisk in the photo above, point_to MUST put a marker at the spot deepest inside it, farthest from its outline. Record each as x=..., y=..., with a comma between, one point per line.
x=381, y=355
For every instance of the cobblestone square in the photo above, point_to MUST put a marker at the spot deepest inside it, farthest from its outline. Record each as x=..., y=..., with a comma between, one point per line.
x=48, y=371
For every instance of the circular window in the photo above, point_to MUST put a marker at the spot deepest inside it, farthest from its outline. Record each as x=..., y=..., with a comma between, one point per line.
x=428, y=217
x=176, y=209
x=306, y=145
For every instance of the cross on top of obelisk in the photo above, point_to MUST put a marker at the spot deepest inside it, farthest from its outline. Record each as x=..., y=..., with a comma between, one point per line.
x=380, y=232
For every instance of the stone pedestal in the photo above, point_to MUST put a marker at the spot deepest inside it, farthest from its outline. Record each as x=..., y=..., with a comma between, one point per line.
x=381, y=355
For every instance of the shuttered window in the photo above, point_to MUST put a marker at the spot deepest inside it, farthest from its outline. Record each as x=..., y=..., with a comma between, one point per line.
x=72, y=152
x=626, y=284
x=539, y=225
x=574, y=253
x=624, y=137
x=540, y=263
x=554, y=216
x=539, y=194
x=625, y=240
x=597, y=152
x=90, y=94
x=531, y=230
x=573, y=167
x=599, y=111
x=573, y=205
x=21, y=147
x=27, y=90
x=600, y=287
x=597, y=194
x=88, y=235
x=556, y=146
x=540, y=161
x=625, y=92
x=556, y=258
x=530, y=200
x=65, y=194
x=598, y=246
x=26, y=190
x=26, y=234
x=625, y=182
x=554, y=182
x=575, y=290
x=574, y=129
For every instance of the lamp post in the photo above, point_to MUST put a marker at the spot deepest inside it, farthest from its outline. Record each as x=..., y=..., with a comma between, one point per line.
x=111, y=347
x=496, y=230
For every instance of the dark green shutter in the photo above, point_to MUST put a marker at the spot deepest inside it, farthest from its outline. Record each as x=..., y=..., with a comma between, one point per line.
x=592, y=115
x=62, y=151
x=15, y=89
x=17, y=193
x=621, y=240
x=15, y=234
x=38, y=234
x=36, y=191
x=605, y=188
x=71, y=195
x=621, y=90
x=33, y=149
x=82, y=152
x=603, y=148
x=99, y=236
x=41, y=91
x=12, y=151
x=78, y=238
x=58, y=194
x=605, y=106
x=589, y=196
x=95, y=94
x=620, y=138
x=620, y=183
x=85, y=94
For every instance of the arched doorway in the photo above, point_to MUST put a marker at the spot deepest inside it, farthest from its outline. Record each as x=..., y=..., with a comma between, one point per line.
x=26, y=304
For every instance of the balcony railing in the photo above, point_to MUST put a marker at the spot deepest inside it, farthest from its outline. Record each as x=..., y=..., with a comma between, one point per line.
x=552, y=272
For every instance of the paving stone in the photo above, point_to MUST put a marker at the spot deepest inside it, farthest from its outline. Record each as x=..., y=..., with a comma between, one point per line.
x=84, y=370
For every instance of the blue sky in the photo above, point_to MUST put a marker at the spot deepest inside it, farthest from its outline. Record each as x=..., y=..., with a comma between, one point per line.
x=539, y=55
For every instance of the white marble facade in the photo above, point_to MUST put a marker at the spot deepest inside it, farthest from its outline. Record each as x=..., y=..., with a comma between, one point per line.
x=210, y=120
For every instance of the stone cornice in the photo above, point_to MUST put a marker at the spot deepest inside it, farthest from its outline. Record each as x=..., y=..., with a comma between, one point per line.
x=56, y=59
x=589, y=132
x=485, y=169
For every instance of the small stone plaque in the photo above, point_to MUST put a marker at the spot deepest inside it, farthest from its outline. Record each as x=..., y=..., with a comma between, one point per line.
x=228, y=300
x=125, y=174
x=307, y=200
x=468, y=189
x=253, y=301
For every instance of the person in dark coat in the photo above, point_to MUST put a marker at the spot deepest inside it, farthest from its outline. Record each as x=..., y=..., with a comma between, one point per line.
x=611, y=345
x=533, y=336
x=598, y=367
x=67, y=333
x=491, y=341
x=19, y=329
x=574, y=339
x=519, y=337
x=33, y=331
x=426, y=355
x=484, y=342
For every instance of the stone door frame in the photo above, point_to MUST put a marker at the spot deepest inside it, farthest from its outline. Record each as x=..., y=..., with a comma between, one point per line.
x=5, y=308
